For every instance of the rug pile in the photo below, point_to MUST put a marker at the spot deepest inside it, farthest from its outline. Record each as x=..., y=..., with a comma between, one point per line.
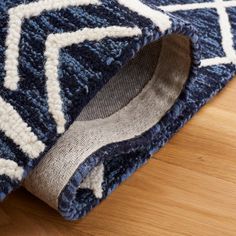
x=90, y=89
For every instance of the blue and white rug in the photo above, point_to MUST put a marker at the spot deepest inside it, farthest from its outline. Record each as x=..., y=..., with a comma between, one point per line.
x=90, y=89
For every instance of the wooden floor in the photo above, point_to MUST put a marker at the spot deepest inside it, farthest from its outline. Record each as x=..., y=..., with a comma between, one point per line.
x=188, y=188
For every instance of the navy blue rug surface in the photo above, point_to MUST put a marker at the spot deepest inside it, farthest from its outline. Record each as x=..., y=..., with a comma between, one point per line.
x=55, y=56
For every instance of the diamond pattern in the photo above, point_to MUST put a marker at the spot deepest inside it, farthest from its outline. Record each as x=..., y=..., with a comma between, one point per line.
x=225, y=27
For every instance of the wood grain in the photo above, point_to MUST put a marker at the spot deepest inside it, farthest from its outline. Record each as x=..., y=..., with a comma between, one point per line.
x=188, y=188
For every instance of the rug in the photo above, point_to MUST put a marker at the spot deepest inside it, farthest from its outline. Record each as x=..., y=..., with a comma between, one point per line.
x=90, y=89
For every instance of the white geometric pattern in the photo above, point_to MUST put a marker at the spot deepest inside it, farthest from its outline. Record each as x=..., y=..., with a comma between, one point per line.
x=16, y=17
x=11, y=122
x=11, y=169
x=226, y=33
x=56, y=42
x=94, y=181
x=18, y=130
x=25, y=11
x=157, y=17
x=53, y=45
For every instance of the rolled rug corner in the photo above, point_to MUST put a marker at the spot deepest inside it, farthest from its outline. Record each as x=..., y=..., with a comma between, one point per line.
x=114, y=133
x=91, y=88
